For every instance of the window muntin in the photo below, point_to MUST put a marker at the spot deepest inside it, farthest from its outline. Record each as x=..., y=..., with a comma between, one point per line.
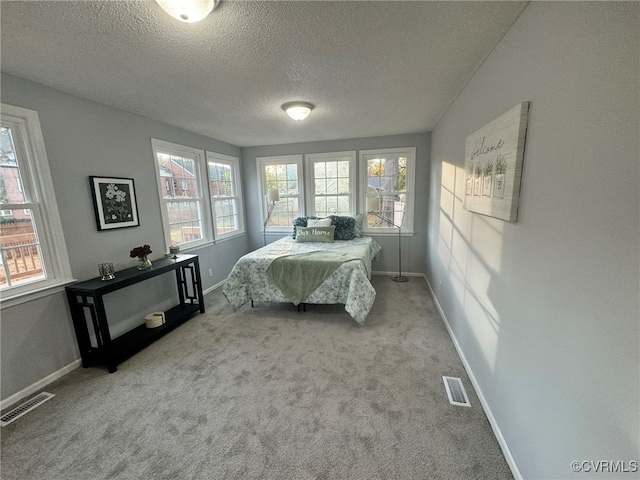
x=226, y=195
x=332, y=178
x=33, y=255
x=179, y=170
x=285, y=175
x=388, y=189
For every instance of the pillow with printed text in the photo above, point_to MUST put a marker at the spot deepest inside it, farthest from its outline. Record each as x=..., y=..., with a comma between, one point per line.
x=315, y=234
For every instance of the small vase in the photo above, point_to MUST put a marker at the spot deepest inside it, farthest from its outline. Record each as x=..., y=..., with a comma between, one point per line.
x=144, y=263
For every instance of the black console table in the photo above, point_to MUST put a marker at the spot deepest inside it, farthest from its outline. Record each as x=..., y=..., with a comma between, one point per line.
x=88, y=295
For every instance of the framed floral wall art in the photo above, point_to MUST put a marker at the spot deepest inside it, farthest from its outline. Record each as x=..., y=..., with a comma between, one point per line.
x=114, y=201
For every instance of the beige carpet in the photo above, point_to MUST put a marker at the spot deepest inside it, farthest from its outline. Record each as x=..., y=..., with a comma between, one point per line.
x=268, y=393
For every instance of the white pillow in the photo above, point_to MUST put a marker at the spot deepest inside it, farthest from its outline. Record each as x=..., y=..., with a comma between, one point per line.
x=320, y=222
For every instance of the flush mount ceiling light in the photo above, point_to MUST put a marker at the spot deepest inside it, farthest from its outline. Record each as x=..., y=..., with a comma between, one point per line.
x=189, y=11
x=298, y=110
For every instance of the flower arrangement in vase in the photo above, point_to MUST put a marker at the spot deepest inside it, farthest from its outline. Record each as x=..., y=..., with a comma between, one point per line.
x=141, y=253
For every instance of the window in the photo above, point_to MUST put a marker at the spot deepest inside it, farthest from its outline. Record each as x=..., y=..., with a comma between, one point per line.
x=33, y=260
x=388, y=189
x=226, y=195
x=179, y=173
x=331, y=177
x=285, y=175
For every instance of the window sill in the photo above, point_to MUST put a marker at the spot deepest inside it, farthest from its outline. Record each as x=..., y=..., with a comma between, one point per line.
x=388, y=234
x=18, y=299
x=230, y=237
x=192, y=248
x=277, y=231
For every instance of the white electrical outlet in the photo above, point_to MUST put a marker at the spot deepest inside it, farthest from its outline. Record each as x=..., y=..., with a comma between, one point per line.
x=211, y=272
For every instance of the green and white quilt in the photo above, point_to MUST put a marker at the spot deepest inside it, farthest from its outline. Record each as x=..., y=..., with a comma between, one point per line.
x=341, y=271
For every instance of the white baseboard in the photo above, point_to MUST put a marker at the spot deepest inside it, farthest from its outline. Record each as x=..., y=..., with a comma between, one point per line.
x=40, y=384
x=216, y=286
x=485, y=406
x=392, y=274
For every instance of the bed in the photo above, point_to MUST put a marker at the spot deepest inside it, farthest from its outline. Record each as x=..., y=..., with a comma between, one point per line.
x=345, y=271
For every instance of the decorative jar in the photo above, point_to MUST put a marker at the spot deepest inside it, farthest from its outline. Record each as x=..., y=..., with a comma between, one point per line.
x=107, y=272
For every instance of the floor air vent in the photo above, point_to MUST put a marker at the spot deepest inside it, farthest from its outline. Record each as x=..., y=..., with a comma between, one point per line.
x=455, y=391
x=27, y=406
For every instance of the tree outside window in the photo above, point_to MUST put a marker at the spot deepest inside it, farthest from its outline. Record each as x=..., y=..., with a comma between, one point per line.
x=226, y=196
x=284, y=174
x=388, y=188
x=332, y=180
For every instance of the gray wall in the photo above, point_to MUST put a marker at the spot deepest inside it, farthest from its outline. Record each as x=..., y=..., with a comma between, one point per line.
x=413, y=254
x=545, y=310
x=84, y=138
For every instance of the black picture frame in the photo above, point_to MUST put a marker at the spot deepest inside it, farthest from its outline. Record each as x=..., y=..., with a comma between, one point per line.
x=114, y=202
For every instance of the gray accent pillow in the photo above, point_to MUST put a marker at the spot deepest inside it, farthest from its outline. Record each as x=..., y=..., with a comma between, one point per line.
x=345, y=227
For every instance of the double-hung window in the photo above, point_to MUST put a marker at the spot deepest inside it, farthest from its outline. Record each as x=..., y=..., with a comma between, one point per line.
x=283, y=174
x=388, y=189
x=33, y=254
x=180, y=172
x=332, y=181
x=226, y=195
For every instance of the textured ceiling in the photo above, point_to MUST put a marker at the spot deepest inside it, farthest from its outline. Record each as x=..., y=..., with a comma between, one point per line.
x=371, y=68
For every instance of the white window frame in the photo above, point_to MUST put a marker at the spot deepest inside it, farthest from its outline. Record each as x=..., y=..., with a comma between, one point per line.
x=236, y=181
x=410, y=154
x=199, y=158
x=41, y=199
x=262, y=162
x=312, y=158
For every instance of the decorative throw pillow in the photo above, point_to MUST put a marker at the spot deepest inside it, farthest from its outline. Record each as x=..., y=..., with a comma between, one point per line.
x=345, y=227
x=300, y=222
x=315, y=234
x=358, y=229
x=319, y=222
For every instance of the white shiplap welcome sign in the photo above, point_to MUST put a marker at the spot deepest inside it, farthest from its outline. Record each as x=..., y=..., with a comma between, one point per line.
x=493, y=165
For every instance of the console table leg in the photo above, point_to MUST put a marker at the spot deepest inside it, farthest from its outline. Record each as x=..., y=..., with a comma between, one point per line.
x=103, y=336
x=80, y=326
x=198, y=286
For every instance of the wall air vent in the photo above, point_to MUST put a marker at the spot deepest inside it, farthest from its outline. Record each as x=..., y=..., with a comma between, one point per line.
x=27, y=406
x=456, y=392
